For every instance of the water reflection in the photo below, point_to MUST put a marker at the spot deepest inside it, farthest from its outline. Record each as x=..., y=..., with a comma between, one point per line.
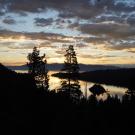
x=113, y=90
x=54, y=83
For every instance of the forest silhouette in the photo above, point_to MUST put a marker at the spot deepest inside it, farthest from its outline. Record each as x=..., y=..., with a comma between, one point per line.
x=28, y=106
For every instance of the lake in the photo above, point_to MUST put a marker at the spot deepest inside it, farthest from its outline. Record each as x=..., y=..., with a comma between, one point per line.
x=54, y=83
x=113, y=90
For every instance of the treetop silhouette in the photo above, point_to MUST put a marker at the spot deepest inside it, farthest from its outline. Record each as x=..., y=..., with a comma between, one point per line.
x=97, y=89
x=38, y=68
x=70, y=85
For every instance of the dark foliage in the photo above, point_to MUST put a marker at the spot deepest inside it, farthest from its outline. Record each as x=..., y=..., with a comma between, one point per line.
x=70, y=85
x=97, y=89
x=26, y=109
x=118, y=77
x=38, y=68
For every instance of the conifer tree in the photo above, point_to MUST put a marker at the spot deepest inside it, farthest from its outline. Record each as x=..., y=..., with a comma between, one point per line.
x=130, y=93
x=38, y=68
x=70, y=85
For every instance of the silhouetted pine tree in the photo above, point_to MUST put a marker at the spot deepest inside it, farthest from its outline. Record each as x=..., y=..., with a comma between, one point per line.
x=38, y=68
x=70, y=85
x=130, y=94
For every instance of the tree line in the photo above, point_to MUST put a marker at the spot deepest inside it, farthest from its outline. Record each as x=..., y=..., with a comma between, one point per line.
x=28, y=106
x=38, y=69
x=69, y=83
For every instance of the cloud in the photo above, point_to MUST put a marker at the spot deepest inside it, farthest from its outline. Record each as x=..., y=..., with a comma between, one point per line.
x=29, y=45
x=110, y=29
x=121, y=45
x=61, y=23
x=60, y=52
x=1, y=13
x=131, y=51
x=52, y=37
x=96, y=39
x=24, y=40
x=25, y=44
x=46, y=45
x=33, y=35
x=131, y=20
x=97, y=56
x=110, y=17
x=9, y=20
x=53, y=40
x=69, y=8
x=42, y=22
x=11, y=38
x=109, y=44
x=21, y=46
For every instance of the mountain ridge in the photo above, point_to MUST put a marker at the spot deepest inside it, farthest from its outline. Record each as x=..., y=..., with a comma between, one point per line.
x=59, y=66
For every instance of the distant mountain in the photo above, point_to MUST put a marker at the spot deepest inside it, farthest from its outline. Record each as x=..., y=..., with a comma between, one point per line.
x=125, y=65
x=5, y=70
x=84, y=67
x=22, y=67
x=57, y=67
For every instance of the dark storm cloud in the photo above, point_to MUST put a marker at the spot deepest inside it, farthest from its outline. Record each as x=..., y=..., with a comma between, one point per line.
x=42, y=22
x=9, y=20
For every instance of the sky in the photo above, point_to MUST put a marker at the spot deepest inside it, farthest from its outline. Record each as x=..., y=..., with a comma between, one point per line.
x=101, y=31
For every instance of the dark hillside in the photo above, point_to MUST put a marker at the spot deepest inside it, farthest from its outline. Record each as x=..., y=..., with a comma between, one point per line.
x=16, y=96
x=119, y=77
x=25, y=109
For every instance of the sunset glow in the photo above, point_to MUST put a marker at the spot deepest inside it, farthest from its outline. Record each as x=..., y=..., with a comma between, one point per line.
x=100, y=33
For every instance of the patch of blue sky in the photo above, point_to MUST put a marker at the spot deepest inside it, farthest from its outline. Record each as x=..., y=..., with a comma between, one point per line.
x=26, y=24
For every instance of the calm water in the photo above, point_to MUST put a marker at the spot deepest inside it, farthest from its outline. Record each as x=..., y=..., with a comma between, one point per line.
x=54, y=83
x=113, y=90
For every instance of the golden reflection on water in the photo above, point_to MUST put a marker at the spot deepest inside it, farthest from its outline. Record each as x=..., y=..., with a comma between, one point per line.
x=112, y=90
x=54, y=83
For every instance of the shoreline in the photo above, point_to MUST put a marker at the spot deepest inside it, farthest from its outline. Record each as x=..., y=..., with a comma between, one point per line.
x=120, y=78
